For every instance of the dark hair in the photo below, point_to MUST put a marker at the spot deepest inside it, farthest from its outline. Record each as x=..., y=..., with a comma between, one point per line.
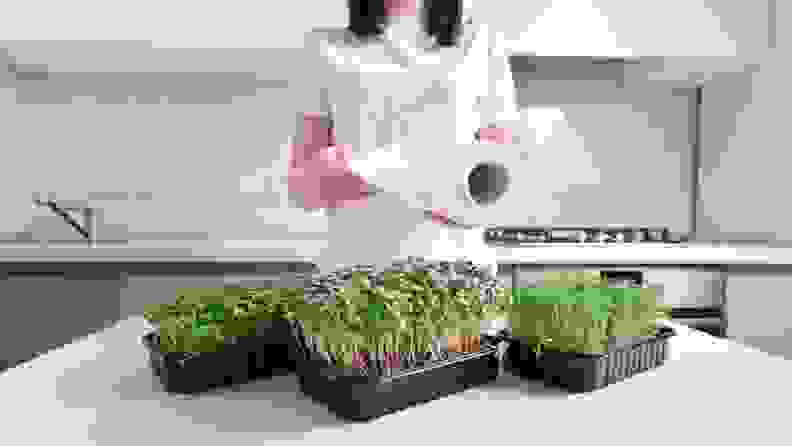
x=443, y=19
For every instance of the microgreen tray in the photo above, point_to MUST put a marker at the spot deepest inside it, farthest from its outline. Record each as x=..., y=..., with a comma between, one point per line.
x=586, y=372
x=245, y=359
x=353, y=396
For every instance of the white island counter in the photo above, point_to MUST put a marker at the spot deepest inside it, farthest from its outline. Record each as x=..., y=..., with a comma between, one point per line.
x=100, y=391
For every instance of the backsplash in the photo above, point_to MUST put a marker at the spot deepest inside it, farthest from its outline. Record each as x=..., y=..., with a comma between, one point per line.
x=208, y=148
x=208, y=142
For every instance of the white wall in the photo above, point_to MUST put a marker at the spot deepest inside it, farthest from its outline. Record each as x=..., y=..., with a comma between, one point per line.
x=544, y=27
x=171, y=23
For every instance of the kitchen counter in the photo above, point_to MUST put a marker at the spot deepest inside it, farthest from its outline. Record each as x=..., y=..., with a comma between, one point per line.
x=165, y=251
x=99, y=390
x=264, y=251
x=659, y=254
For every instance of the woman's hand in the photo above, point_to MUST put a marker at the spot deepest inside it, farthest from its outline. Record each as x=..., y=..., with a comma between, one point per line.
x=324, y=180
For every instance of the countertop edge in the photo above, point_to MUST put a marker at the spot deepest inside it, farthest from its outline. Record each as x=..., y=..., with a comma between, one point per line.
x=699, y=254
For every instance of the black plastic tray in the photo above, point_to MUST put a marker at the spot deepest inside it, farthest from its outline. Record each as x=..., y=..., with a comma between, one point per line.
x=354, y=397
x=251, y=357
x=578, y=372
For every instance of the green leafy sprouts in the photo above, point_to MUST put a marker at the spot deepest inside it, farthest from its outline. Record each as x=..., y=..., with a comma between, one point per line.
x=577, y=313
x=405, y=313
x=572, y=313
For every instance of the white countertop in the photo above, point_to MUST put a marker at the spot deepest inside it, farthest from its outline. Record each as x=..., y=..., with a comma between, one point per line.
x=99, y=391
x=306, y=250
x=686, y=253
x=166, y=251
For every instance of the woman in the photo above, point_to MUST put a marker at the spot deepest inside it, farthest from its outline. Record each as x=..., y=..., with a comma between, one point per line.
x=405, y=75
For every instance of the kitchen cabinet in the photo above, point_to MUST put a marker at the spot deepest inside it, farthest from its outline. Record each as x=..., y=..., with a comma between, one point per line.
x=138, y=291
x=744, y=161
x=759, y=309
x=45, y=307
x=687, y=287
x=44, y=312
x=626, y=28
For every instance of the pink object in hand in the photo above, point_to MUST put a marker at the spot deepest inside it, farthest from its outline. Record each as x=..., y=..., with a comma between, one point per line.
x=334, y=158
x=324, y=179
x=494, y=135
x=319, y=168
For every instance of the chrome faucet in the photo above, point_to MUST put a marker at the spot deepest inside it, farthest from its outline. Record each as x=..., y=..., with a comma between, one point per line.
x=87, y=229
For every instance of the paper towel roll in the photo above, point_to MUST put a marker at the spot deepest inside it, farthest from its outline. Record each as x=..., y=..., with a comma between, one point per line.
x=465, y=181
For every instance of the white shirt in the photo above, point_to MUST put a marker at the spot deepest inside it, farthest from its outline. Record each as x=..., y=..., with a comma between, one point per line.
x=376, y=97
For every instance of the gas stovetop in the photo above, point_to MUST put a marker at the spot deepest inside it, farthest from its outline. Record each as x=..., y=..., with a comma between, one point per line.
x=512, y=235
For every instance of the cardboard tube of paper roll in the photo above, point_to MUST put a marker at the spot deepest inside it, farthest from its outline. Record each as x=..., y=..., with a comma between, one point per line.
x=463, y=179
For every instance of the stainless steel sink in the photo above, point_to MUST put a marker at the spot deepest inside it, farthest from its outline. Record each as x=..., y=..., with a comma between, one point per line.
x=64, y=222
x=27, y=238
